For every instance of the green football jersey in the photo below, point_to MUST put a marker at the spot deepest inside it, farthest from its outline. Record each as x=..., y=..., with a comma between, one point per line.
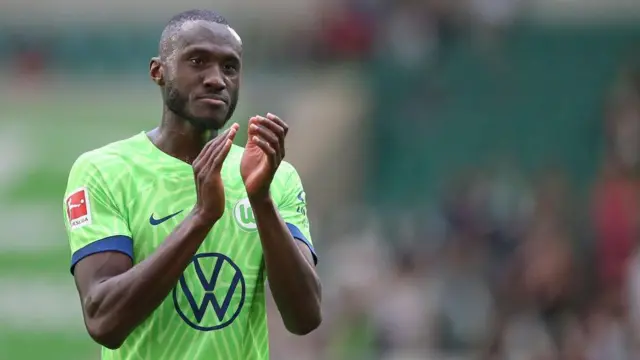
x=129, y=196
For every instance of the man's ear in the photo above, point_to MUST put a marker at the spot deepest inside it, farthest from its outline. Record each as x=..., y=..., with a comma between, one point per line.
x=156, y=71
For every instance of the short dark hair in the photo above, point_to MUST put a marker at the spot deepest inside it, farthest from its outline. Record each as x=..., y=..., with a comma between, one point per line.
x=176, y=22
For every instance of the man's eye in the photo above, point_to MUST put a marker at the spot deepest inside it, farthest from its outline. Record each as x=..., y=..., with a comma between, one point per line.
x=231, y=67
x=196, y=61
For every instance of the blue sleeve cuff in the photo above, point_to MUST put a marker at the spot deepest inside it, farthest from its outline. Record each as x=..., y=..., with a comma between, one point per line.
x=118, y=243
x=297, y=234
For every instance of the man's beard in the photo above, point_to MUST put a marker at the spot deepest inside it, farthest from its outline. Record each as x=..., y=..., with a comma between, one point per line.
x=177, y=103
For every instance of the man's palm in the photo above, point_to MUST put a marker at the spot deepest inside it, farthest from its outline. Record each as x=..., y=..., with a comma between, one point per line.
x=255, y=169
x=263, y=154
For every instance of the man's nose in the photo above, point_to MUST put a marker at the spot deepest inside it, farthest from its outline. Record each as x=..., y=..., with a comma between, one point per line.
x=214, y=79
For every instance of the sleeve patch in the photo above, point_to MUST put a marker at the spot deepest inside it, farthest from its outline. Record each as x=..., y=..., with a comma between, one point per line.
x=78, y=208
x=298, y=235
x=118, y=243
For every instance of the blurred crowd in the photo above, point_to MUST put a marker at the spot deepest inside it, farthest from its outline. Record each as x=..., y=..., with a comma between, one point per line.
x=504, y=267
x=410, y=31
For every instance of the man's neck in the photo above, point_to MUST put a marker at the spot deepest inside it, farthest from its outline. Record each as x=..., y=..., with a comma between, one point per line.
x=180, y=138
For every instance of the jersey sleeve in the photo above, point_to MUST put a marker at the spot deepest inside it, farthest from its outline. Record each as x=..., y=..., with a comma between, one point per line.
x=293, y=209
x=93, y=219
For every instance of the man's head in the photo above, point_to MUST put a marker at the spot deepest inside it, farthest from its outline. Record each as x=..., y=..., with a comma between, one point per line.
x=198, y=68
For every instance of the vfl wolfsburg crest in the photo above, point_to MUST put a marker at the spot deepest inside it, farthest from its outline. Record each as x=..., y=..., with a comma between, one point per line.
x=244, y=215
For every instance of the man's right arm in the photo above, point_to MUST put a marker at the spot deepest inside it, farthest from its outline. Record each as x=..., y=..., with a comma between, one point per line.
x=116, y=296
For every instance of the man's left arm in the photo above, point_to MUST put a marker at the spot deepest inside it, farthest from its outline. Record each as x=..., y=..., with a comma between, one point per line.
x=289, y=256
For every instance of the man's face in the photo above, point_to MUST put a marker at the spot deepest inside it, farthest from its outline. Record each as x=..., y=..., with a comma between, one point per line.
x=202, y=74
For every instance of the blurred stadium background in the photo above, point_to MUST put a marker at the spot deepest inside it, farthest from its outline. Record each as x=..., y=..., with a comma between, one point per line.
x=472, y=165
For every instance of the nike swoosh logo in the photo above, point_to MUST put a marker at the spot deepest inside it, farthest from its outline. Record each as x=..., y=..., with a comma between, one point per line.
x=155, y=222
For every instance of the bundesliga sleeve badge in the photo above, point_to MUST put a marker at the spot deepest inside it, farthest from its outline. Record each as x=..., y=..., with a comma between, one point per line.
x=78, y=208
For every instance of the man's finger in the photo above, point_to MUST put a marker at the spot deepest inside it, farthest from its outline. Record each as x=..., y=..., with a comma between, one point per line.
x=265, y=134
x=280, y=122
x=272, y=154
x=271, y=125
x=234, y=126
x=220, y=139
x=212, y=143
x=205, y=149
x=222, y=149
x=222, y=155
x=206, y=154
x=278, y=130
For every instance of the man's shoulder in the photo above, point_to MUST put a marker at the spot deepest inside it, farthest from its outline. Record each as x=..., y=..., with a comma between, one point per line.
x=110, y=156
x=286, y=172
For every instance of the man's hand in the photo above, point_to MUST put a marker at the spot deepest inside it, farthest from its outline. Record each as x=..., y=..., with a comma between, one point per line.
x=206, y=168
x=263, y=154
x=292, y=278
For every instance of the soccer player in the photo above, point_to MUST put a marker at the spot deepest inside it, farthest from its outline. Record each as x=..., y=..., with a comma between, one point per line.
x=175, y=231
